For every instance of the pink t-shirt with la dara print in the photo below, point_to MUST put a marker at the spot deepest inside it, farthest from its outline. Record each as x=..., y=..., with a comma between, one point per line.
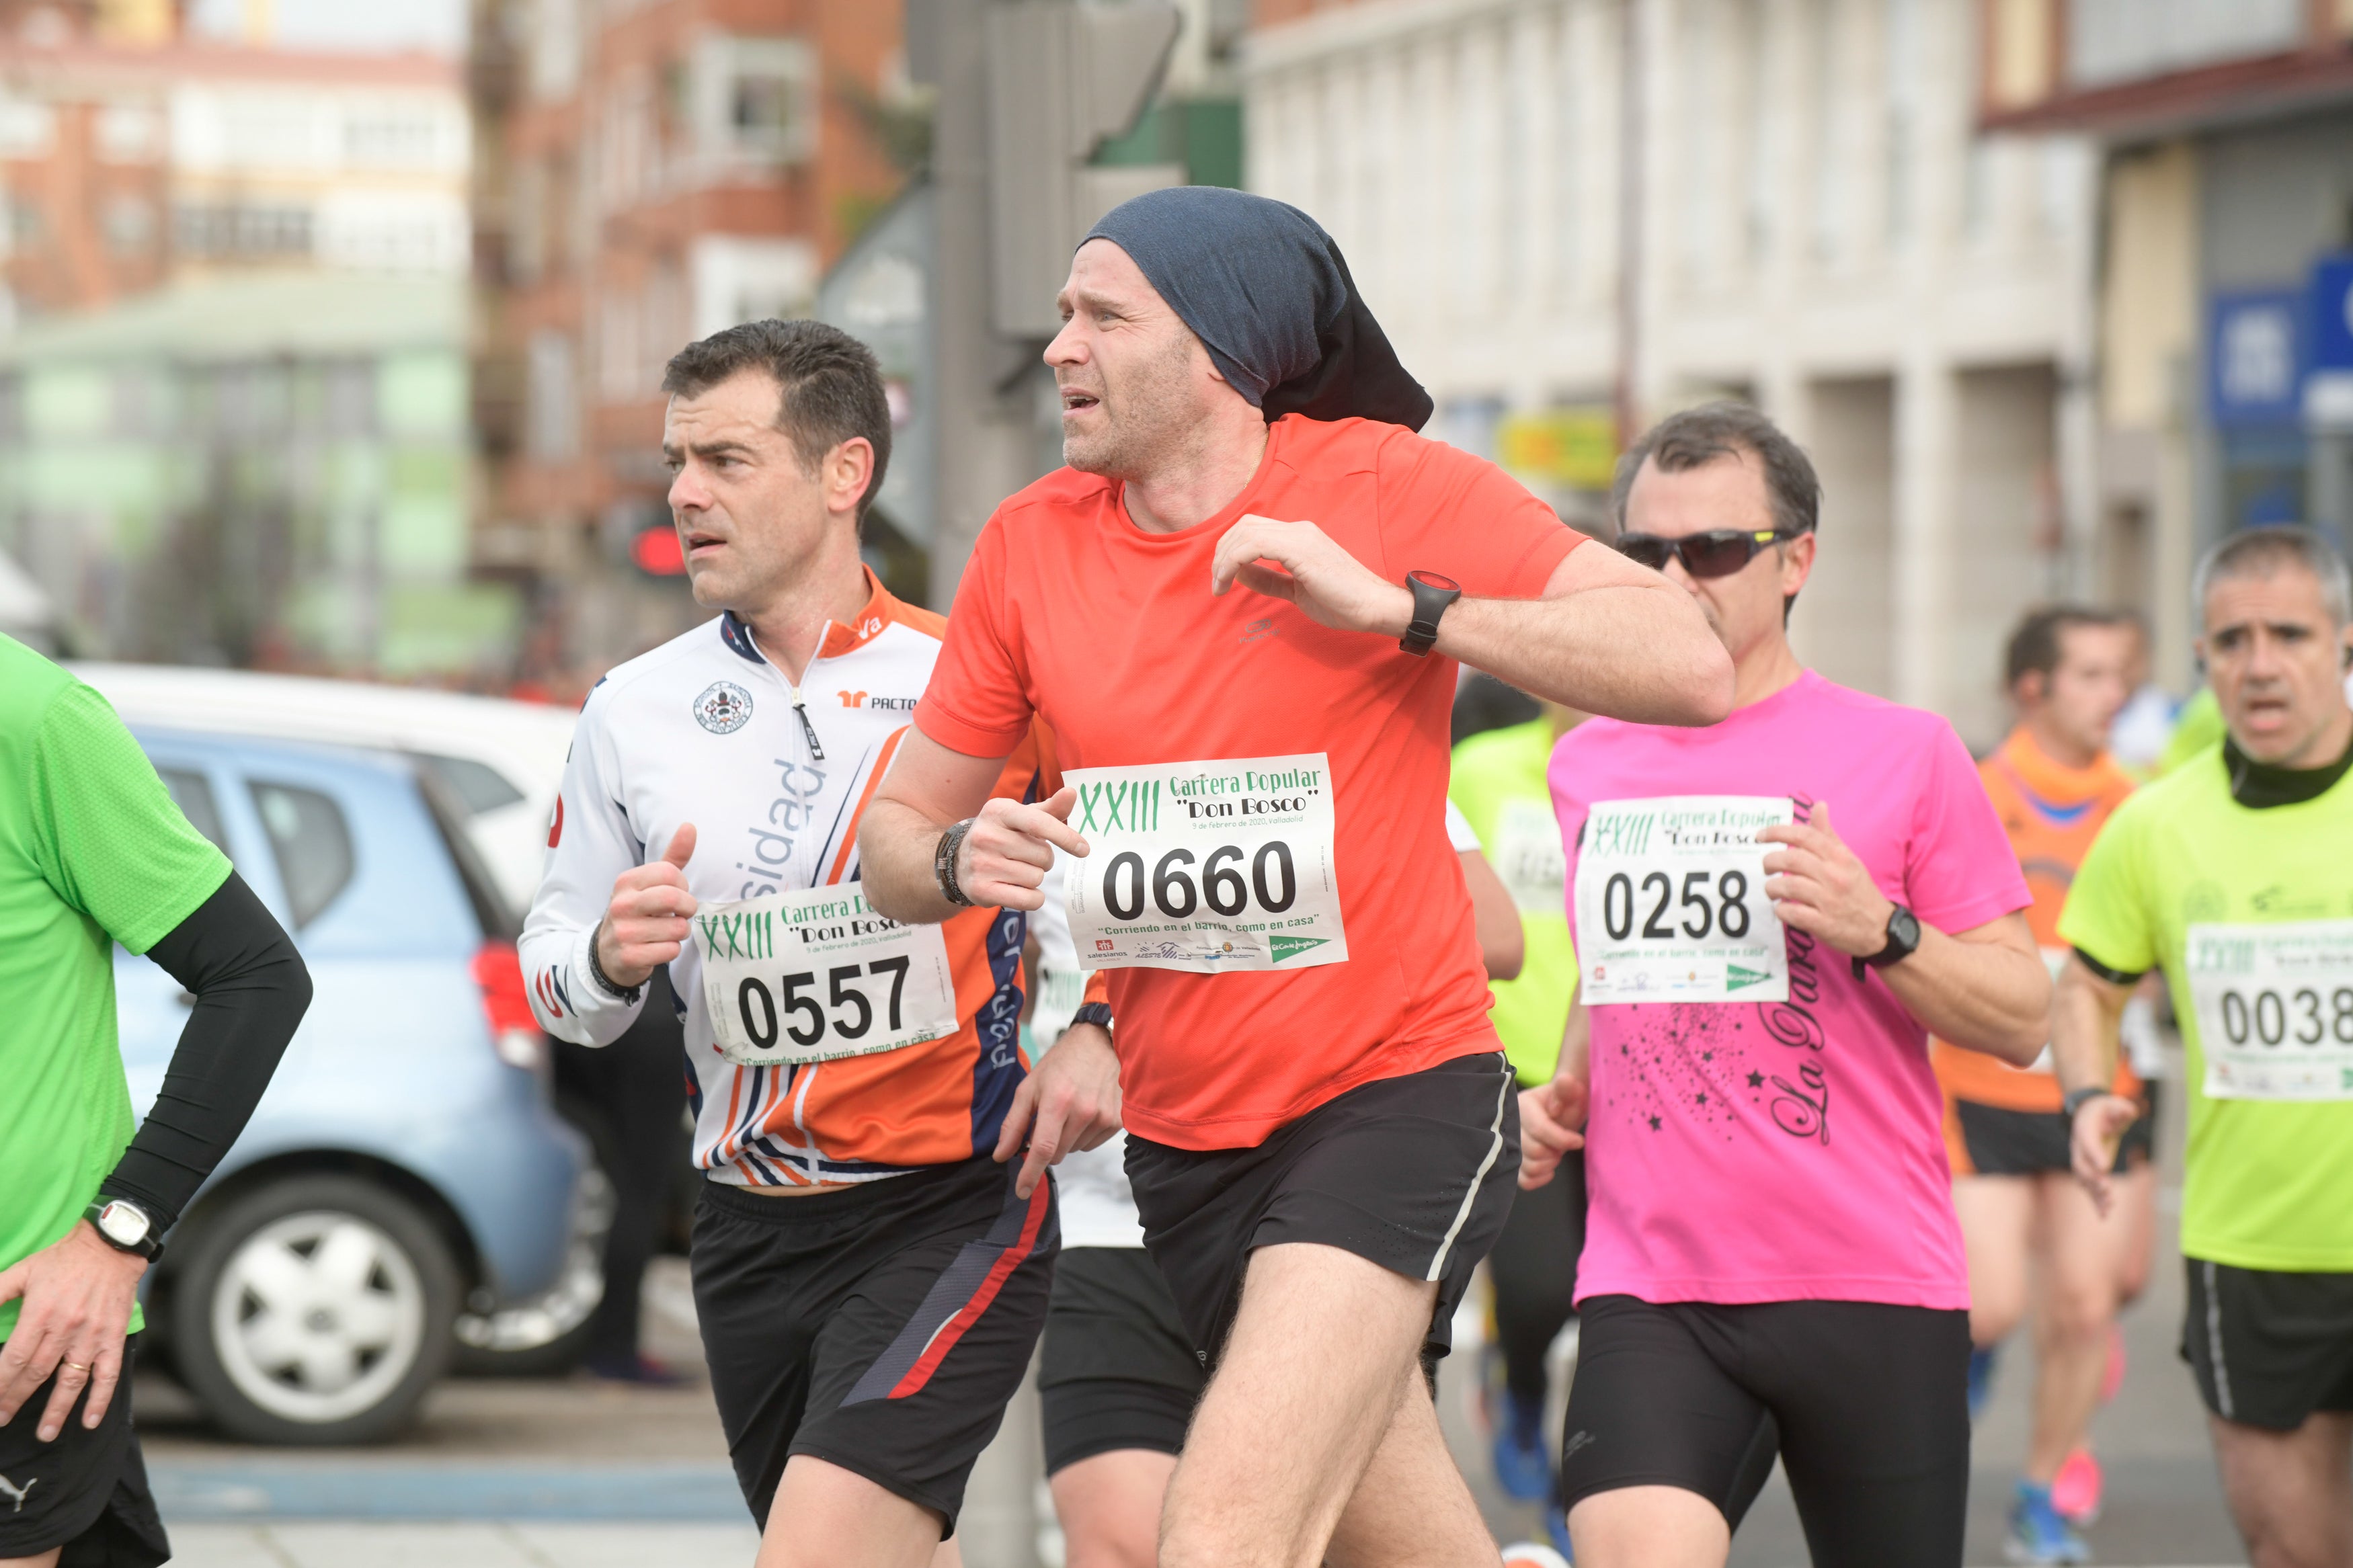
x=1788, y=1151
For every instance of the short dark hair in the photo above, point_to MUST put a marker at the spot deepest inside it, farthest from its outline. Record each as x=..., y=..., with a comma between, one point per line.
x=2039, y=643
x=1698, y=436
x=830, y=386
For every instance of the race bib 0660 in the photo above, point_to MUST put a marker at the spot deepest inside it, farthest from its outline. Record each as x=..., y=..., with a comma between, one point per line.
x=811, y=977
x=2275, y=1008
x=1670, y=903
x=1206, y=866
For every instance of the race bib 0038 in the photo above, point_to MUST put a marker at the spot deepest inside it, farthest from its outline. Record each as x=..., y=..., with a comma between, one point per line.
x=1206, y=866
x=811, y=977
x=1670, y=903
x=2275, y=1008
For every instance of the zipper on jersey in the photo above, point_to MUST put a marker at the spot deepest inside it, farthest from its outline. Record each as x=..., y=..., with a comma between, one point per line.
x=808, y=730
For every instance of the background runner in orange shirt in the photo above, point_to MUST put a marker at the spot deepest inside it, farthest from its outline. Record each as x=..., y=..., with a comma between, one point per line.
x=2021, y=1213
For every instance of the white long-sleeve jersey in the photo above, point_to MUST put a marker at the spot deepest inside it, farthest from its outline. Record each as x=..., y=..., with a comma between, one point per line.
x=704, y=730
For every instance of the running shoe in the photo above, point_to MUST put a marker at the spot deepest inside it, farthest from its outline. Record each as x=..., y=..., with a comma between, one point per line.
x=2075, y=1490
x=1981, y=1360
x=1529, y=1554
x=1523, y=1464
x=2037, y=1534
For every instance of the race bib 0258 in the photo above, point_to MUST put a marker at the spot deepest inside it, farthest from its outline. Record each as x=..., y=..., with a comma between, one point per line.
x=2275, y=1008
x=1206, y=866
x=793, y=978
x=1670, y=903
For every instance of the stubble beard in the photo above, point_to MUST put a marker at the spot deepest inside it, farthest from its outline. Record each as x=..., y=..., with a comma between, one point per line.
x=1146, y=426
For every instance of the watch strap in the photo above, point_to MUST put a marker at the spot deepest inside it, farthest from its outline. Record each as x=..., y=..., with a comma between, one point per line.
x=1095, y=1013
x=1893, y=951
x=2074, y=1099
x=625, y=994
x=943, y=863
x=1432, y=595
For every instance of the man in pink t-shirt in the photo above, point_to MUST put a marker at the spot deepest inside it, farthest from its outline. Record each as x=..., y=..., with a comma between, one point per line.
x=1771, y=916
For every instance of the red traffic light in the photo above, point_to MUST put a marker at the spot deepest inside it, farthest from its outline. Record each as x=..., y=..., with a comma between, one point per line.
x=657, y=552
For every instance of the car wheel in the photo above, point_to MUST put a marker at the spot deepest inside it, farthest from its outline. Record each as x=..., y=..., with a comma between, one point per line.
x=547, y=1336
x=316, y=1310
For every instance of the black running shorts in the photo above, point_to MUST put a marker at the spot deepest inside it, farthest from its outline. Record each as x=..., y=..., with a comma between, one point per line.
x=882, y=1326
x=1998, y=1141
x=87, y=1492
x=1415, y=1173
x=1871, y=1403
x=2267, y=1348
x=1116, y=1370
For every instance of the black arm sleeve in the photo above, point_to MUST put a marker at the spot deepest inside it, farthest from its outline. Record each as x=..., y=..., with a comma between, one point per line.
x=251, y=989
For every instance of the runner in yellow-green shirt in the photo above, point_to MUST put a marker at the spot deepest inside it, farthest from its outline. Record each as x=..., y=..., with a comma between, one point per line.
x=1498, y=785
x=2234, y=873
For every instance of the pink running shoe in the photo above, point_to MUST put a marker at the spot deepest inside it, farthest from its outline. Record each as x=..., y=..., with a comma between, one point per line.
x=2075, y=1489
x=2113, y=1378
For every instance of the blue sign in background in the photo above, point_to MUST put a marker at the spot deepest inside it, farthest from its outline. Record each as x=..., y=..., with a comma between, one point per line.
x=2331, y=306
x=2254, y=356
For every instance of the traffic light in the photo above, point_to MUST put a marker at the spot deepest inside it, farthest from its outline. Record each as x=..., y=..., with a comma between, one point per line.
x=1062, y=80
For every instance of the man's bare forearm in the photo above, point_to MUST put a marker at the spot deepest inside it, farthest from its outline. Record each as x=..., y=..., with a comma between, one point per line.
x=1636, y=652
x=1984, y=997
x=2086, y=1023
x=895, y=847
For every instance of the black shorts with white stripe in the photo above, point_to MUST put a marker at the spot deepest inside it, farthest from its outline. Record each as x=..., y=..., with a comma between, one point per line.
x=882, y=1326
x=1415, y=1173
x=2269, y=1347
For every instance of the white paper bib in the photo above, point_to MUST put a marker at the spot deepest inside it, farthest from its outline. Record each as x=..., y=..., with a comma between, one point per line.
x=812, y=977
x=1670, y=903
x=1206, y=866
x=2275, y=1008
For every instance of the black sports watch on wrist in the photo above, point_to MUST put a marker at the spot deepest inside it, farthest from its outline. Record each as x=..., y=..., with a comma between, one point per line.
x=2075, y=1100
x=1902, y=941
x=1095, y=1013
x=944, y=859
x=124, y=1227
x=625, y=994
x=1431, y=594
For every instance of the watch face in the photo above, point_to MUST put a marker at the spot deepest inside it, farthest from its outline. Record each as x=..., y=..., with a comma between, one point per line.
x=1905, y=927
x=124, y=1223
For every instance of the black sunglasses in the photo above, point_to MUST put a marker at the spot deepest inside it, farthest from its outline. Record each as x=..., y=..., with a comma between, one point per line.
x=1718, y=553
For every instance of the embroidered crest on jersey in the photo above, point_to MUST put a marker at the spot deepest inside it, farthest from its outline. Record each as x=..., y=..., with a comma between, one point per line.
x=723, y=707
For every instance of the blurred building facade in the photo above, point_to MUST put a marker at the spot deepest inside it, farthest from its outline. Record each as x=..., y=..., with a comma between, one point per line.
x=233, y=334
x=1815, y=225
x=649, y=173
x=2225, y=288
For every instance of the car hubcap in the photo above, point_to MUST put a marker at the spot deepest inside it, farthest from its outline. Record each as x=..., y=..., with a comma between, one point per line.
x=318, y=1317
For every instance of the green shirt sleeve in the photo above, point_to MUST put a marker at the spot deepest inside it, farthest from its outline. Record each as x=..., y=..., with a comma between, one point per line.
x=2108, y=915
x=109, y=838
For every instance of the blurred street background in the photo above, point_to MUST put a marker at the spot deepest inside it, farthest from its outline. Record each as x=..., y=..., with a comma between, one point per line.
x=330, y=337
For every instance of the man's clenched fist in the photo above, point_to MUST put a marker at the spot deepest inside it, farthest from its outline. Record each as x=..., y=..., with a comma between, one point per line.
x=650, y=914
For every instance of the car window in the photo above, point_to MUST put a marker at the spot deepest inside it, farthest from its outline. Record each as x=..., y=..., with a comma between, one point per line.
x=476, y=787
x=193, y=793
x=498, y=921
x=312, y=843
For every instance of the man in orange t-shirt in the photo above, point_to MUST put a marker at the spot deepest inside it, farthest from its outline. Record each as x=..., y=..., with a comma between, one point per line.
x=1211, y=606
x=2068, y=671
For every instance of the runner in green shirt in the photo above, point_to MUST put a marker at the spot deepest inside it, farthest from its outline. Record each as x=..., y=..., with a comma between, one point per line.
x=1498, y=785
x=94, y=852
x=2234, y=873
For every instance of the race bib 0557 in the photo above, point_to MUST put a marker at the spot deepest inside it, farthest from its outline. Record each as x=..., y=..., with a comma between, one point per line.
x=1206, y=866
x=2275, y=1008
x=811, y=977
x=1670, y=903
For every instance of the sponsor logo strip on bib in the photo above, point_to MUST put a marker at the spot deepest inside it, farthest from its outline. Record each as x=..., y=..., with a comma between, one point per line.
x=1670, y=903
x=1206, y=866
x=793, y=978
x=2275, y=1007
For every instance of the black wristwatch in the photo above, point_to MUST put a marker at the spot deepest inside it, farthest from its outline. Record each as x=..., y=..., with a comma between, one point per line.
x=625, y=994
x=1902, y=941
x=1431, y=594
x=1095, y=1013
x=944, y=859
x=2074, y=1099
x=124, y=1227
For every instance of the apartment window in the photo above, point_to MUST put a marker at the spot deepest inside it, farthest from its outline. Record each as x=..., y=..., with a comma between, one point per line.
x=391, y=139
x=242, y=232
x=130, y=225
x=130, y=133
x=28, y=128
x=756, y=97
